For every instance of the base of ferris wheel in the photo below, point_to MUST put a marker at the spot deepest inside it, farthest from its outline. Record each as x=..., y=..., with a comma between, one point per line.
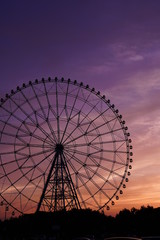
x=59, y=191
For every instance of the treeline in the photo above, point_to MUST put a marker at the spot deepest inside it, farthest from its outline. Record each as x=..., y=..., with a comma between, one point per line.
x=142, y=222
x=67, y=225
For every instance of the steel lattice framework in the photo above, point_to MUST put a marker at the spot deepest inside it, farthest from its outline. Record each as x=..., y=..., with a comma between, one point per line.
x=62, y=146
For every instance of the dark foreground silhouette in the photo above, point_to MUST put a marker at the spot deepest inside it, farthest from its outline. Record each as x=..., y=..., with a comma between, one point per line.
x=69, y=225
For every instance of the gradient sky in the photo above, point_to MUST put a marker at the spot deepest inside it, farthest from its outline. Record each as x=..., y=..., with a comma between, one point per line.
x=112, y=45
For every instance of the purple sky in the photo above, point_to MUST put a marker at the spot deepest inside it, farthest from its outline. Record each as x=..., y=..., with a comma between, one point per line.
x=111, y=45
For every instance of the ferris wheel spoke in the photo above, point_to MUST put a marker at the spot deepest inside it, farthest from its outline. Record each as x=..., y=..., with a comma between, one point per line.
x=30, y=197
x=42, y=153
x=122, y=144
x=19, y=193
x=79, y=112
x=105, y=180
x=94, y=160
x=33, y=145
x=20, y=149
x=111, y=132
x=28, y=116
x=31, y=106
x=113, y=171
x=93, y=153
x=92, y=130
x=28, y=171
x=114, y=151
x=49, y=107
x=87, y=171
x=70, y=114
x=63, y=108
x=106, y=142
x=10, y=135
x=35, y=178
x=57, y=113
x=52, y=131
x=73, y=157
x=88, y=144
x=31, y=155
x=86, y=101
x=39, y=103
x=18, y=167
x=86, y=154
x=102, y=178
x=10, y=162
x=104, y=193
x=3, y=183
x=7, y=153
x=26, y=100
x=20, y=137
x=78, y=152
x=9, y=173
x=24, y=142
x=20, y=200
x=65, y=103
x=87, y=188
x=43, y=173
x=102, y=125
x=76, y=145
x=33, y=171
x=10, y=125
x=87, y=167
x=22, y=145
x=41, y=139
x=51, y=110
x=50, y=125
x=45, y=133
x=22, y=111
x=35, y=186
x=120, y=158
x=96, y=185
x=117, y=171
x=81, y=173
x=89, y=124
x=82, y=163
x=45, y=117
x=37, y=125
x=111, y=161
x=97, y=148
x=96, y=118
x=17, y=160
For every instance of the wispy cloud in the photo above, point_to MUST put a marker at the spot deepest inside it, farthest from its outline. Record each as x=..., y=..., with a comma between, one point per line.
x=136, y=58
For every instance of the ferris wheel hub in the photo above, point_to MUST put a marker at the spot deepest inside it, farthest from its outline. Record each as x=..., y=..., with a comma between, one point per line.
x=59, y=148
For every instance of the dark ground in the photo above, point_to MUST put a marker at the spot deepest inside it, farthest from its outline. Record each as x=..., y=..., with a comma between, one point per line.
x=68, y=225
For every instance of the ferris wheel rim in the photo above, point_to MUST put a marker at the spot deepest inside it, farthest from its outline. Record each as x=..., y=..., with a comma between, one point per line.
x=91, y=91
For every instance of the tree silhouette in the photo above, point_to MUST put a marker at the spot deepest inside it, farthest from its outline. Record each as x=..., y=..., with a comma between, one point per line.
x=74, y=223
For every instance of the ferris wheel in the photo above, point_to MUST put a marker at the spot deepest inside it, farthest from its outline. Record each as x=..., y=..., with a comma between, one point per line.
x=62, y=146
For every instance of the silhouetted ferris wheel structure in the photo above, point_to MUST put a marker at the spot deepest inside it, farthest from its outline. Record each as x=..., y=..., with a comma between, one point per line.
x=62, y=146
